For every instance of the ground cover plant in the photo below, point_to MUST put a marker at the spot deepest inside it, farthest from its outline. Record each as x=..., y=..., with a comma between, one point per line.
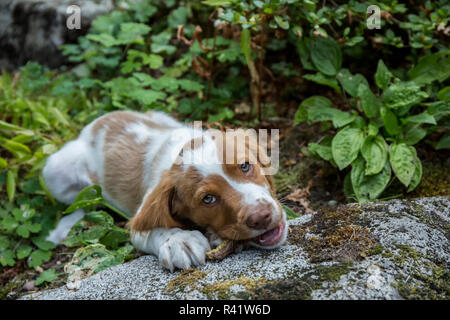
x=363, y=106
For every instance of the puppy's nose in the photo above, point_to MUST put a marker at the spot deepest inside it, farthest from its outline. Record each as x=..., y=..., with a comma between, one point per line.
x=259, y=218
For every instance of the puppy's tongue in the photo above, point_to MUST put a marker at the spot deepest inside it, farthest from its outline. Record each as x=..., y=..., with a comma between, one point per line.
x=271, y=237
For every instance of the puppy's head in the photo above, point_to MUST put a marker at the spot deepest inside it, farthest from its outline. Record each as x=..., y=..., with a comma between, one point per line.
x=219, y=183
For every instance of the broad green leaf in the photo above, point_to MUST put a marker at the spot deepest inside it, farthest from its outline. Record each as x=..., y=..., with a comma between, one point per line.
x=315, y=108
x=342, y=118
x=326, y=55
x=417, y=176
x=323, y=79
x=46, y=276
x=369, y=102
x=431, y=67
x=303, y=49
x=403, y=94
x=444, y=94
x=351, y=82
x=43, y=244
x=444, y=142
x=413, y=133
x=423, y=117
x=375, y=151
x=368, y=187
x=323, y=151
x=38, y=257
x=439, y=109
x=390, y=121
x=345, y=146
x=105, y=39
x=10, y=185
x=372, y=130
x=146, y=96
x=383, y=75
x=402, y=159
x=23, y=251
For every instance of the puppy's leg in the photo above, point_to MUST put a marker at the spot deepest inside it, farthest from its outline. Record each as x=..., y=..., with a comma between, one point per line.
x=65, y=175
x=175, y=248
x=66, y=223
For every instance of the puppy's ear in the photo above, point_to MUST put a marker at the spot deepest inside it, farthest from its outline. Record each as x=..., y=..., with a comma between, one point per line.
x=155, y=210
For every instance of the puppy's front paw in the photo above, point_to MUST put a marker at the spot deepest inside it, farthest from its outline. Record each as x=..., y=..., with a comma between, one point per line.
x=184, y=249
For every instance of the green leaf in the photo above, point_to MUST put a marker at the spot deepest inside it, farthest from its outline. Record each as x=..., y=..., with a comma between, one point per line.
x=444, y=142
x=375, y=151
x=3, y=163
x=323, y=151
x=7, y=258
x=390, y=121
x=423, y=117
x=46, y=276
x=431, y=67
x=323, y=79
x=146, y=96
x=290, y=214
x=342, y=118
x=105, y=39
x=383, y=76
x=315, y=108
x=326, y=55
x=368, y=187
x=281, y=22
x=403, y=94
x=38, y=257
x=14, y=147
x=351, y=82
x=23, y=251
x=417, y=176
x=43, y=244
x=33, y=227
x=345, y=146
x=369, y=102
x=303, y=49
x=10, y=185
x=23, y=231
x=9, y=223
x=444, y=94
x=402, y=159
x=8, y=126
x=412, y=134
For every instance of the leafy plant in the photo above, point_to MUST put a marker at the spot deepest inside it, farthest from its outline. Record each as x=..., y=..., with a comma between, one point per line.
x=377, y=137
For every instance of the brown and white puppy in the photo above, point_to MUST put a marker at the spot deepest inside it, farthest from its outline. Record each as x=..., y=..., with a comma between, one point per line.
x=169, y=176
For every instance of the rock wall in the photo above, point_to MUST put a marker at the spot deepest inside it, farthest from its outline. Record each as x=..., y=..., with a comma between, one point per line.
x=397, y=249
x=35, y=29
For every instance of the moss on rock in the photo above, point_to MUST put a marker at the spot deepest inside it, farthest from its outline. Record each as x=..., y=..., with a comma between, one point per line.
x=334, y=235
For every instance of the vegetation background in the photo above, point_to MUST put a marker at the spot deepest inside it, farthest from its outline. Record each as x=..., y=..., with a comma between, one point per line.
x=363, y=113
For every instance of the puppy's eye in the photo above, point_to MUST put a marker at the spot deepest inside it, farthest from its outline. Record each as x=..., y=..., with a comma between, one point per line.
x=245, y=167
x=209, y=199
